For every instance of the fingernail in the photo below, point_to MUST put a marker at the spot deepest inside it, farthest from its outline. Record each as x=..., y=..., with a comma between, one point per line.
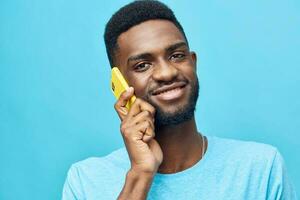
x=130, y=89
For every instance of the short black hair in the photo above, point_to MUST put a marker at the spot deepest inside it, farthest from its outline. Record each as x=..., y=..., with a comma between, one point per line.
x=133, y=14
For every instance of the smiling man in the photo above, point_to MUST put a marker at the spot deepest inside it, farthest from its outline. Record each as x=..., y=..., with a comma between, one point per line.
x=165, y=156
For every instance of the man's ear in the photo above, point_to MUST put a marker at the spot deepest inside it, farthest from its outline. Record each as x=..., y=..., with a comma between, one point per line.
x=194, y=58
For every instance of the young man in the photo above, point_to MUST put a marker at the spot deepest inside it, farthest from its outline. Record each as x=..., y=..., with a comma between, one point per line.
x=165, y=156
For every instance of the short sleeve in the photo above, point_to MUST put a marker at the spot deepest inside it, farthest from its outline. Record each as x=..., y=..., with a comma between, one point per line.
x=279, y=186
x=72, y=189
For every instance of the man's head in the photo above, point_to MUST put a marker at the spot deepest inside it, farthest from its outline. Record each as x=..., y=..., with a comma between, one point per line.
x=148, y=44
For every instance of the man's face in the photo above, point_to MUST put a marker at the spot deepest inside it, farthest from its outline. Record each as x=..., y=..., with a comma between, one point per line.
x=155, y=59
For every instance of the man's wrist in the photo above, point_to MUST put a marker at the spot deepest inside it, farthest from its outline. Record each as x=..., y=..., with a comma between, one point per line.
x=137, y=185
x=140, y=175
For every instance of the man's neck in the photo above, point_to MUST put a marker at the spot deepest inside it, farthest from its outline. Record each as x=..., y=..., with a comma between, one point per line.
x=181, y=145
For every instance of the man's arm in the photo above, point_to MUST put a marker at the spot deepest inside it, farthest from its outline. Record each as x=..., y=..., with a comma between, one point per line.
x=72, y=188
x=279, y=186
x=137, y=186
x=137, y=129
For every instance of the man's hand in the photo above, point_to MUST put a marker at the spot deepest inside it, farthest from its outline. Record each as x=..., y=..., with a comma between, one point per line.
x=137, y=129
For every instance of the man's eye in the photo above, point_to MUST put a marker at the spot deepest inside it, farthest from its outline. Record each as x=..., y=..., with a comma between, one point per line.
x=142, y=67
x=178, y=56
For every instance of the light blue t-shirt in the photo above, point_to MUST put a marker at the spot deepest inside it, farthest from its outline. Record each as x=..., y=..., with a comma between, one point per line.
x=230, y=170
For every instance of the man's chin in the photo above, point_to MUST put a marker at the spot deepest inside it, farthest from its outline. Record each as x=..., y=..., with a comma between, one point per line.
x=176, y=112
x=173, y=116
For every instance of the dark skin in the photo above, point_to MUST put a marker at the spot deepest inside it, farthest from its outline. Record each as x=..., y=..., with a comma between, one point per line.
x=151, y=55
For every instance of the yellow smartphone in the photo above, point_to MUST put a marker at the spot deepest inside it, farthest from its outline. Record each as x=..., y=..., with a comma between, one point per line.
x=119, y=85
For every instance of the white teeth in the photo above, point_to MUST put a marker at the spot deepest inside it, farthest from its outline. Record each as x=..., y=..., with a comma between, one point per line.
x=168, y=91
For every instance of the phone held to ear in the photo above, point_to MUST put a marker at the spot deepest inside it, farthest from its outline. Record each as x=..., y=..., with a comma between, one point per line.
x=119, y=85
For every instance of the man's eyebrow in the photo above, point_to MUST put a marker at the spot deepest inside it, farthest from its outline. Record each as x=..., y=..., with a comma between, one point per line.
x=175, y=46
x=149, y=55
x=139, y=57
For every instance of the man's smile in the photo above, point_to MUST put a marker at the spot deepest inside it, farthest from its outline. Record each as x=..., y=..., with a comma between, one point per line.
x=170, y=92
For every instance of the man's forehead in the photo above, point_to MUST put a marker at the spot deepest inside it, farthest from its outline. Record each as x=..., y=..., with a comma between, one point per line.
x=149, y=36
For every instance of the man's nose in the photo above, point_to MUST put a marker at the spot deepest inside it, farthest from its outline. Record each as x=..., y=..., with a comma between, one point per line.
x=164, y=72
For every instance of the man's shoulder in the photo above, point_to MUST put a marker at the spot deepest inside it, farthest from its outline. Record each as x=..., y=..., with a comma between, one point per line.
x=88, y=175
x=244, y=144
x=244, y=150
x=115, y=159
x=251, y=165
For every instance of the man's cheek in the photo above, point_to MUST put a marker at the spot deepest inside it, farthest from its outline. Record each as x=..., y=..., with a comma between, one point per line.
x=143, y=95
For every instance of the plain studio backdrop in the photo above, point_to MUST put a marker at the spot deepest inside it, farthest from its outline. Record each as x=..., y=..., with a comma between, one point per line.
x=56, y=106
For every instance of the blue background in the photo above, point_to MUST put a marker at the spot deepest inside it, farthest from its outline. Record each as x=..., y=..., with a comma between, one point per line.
x=56, y=106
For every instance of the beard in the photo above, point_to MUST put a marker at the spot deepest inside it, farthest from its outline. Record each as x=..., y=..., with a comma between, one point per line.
x=181, y=114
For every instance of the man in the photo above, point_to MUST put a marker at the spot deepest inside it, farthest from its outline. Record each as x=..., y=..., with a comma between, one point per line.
x=165, y=156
